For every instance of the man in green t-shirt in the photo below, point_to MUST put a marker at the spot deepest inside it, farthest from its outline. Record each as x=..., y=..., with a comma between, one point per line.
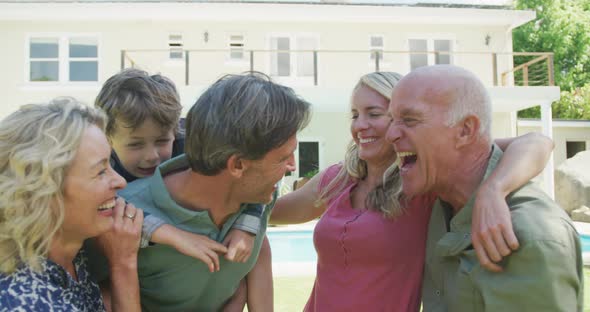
x=240, y=140
x=441, y=131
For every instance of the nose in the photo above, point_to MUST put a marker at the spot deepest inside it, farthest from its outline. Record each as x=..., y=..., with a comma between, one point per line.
x=152, y=156
x=291, y=163
x=359, y=123
x=117, y=181
x=393, y=133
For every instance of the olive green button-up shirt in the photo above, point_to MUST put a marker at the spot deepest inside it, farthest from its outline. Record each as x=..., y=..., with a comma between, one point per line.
x=169, y=280
x=544, y=274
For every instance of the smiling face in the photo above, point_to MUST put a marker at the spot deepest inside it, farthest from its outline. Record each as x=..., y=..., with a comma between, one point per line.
x=141, y=150
x=419, y=131
x=370, y=121
x=262, y=175
x=90, y=187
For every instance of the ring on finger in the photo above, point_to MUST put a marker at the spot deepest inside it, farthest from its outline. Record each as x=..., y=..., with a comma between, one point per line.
x=132, y=217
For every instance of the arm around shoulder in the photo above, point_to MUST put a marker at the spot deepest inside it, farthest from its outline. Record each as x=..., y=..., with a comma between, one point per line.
x=300, y=205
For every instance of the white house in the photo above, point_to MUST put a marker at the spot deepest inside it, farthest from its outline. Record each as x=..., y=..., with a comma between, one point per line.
x=320, y=48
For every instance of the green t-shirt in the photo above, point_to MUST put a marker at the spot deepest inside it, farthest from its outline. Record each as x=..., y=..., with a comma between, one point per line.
x=544, y=274
x=171, y=281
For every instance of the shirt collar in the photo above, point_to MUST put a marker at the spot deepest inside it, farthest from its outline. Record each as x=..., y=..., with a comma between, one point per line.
x=161, y=196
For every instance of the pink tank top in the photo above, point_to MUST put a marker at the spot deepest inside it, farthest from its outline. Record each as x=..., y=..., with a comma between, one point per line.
x=366, y=262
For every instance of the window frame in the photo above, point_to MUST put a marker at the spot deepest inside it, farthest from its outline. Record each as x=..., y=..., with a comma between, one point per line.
x=229, y=59
x=293, y=79
x=430, y=38
x=374, y=48
x=297, y=173
x=63, y=58
x=175, y=46
x=573, y=140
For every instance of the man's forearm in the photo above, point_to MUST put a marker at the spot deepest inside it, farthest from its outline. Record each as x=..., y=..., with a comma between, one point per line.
x=524, y=158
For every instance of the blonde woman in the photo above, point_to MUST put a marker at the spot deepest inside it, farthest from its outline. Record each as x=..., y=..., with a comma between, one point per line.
x=371, y=241
x=57, y=189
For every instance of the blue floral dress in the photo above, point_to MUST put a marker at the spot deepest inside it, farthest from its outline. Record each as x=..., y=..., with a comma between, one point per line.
x=52, y=289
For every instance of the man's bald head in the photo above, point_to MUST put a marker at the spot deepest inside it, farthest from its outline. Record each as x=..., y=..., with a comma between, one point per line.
x=457, y=88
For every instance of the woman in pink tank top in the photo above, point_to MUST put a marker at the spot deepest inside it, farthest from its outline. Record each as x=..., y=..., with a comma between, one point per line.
x=370, y=240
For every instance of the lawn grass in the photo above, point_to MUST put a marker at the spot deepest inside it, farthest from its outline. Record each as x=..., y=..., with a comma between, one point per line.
x=291, y=292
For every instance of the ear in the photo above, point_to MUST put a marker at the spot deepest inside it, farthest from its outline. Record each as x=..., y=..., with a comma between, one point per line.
x=236, y=165
x=468, y=131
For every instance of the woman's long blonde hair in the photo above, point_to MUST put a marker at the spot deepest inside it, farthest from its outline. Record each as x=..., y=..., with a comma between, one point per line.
x=37, y=144
x=386, y=196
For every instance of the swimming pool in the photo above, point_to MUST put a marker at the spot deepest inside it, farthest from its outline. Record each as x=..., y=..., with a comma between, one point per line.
x=297, y=246
x=585, y=239
x=292, y=246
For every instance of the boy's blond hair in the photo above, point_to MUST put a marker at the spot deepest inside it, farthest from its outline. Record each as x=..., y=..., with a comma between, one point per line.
x=132, y=96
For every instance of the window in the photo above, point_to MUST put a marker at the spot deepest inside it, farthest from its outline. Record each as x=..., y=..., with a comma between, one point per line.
x=44, y=59
x=285, y=63
x=441, y=47
x=236, y=47
x=309, y=159
x=574, y=147
x=83, y=59
x=376, y=46
x=176, y=46
x=63, y=58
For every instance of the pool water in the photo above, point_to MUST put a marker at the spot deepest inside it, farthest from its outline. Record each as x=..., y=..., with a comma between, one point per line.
x=292, y=246
x=585, y=243
x=297, y=246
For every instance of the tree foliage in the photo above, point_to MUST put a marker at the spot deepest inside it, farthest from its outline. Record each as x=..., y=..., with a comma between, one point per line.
x=561, y=27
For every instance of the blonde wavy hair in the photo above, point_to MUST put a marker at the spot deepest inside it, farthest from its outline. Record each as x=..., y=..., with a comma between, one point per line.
x=37, y=144
x=387, y=196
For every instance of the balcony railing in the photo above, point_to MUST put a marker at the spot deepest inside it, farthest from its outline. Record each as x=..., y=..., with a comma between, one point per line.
x=334, y=67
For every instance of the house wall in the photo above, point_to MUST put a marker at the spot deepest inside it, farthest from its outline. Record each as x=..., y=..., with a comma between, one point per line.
x=563, y=132
x=338, y=71
x=206, y=67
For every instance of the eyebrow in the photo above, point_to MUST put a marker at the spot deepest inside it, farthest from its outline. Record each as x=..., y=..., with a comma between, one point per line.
x=100, y=162
x=410, y=111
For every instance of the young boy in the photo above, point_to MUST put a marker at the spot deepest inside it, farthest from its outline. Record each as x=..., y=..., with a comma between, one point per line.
x=143, y=129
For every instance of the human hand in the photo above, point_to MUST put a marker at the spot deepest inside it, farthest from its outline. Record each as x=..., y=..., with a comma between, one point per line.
x=492, y=233
x=194, y=245
x=121, y=243
x=239, y=245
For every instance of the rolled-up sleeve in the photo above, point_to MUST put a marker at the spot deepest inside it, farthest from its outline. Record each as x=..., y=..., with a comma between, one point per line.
x=150, y=224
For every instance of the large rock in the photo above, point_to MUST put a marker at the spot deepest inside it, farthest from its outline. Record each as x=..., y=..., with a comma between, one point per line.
x=581, y=214
x=572, y=182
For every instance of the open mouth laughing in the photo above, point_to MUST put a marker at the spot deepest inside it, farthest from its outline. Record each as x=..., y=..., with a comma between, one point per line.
x=366, y=140
x=106, y=209
x=407, y=160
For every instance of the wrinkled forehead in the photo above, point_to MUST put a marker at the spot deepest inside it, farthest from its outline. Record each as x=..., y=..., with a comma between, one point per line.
x=421, y=91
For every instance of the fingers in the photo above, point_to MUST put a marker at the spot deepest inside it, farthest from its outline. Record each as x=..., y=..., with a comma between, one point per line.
x=208, y=256
x=500, y=245
x=217, y=247
x=237, y=254
x=130, y=213
x=484, y=260
x=231, y=254
x=510, y=237
x=119, y=209
x=138, y=222
x=214, y=260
